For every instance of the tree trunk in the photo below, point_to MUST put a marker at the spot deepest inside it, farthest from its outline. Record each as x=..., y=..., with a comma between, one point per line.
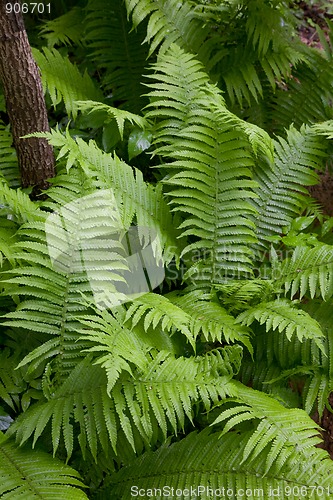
x=25, y=101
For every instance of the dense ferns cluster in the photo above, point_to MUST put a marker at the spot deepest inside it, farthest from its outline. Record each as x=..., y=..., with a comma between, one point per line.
x=204, y=124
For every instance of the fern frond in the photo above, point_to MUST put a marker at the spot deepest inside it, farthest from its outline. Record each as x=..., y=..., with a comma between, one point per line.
x=107, y=32
x=208, y=466
x=169, y=22
x=119, y=115
x=307, y=270
x=8, y=159
x=134, y=197
x=64, y=30
x=289, y=433
x=211, y=164
x=282, y=315
x=29, y=474
x=305, y=98
x=63, y=80
x=18, y=205
x=209, y=319
x=165, y=392
x=281, y=191
x=157, y=309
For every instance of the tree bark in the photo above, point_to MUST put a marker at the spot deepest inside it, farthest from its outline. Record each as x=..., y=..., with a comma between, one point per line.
x=25, y=101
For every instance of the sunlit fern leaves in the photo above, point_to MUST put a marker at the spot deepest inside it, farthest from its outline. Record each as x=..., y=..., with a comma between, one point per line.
x=212, y=184
x=282, y=315
x=107, y=33
x=162, y=394
x=63, y=80
x=298, y=433
x=30, y=474
x=134, y=197
x=215, y=465
x=307, y=270
x=209, y=320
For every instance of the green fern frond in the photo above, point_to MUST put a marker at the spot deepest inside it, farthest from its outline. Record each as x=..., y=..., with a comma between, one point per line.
x=17, y=205
x=64, y=30
x=107, y=32
x=282, y=315
x=211, y=466
x=169, y=22
x=209, y=319
x=29, y=474
x=211, y=164
x=119, y=115
x=8, y=229
x=121, y=348
x=133, y=195
x=305, y=97
x=164, y=392
x=281, y=191
x=241, y=294
x=8, y=159
x=157, y=309
x=307, y=270
x=287, y=432
x=63, y=80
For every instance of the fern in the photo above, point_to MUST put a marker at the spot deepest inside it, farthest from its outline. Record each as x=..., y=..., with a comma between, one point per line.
x=215, y=464
x=8, y=159
x=208, y=184
x=64, y=30
x=166, y=391
x=297, y=432
x=281, y=315
x=281, y=191
x=307, y=270
x=30, y=474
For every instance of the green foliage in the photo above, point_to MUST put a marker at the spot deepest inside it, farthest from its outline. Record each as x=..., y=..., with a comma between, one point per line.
x=207, y=376
x=30, y=474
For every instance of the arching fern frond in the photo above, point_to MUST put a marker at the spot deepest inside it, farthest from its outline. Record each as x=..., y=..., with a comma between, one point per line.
x=157, y=309
x=209, y=319
x=210, y=158
x=63, y=80
x=281, y=191
x=64, y=30
x=289, y=433
x=307, y=270
x=27, y=473
x=282, y=315
x=210, y=466
x=133, y=195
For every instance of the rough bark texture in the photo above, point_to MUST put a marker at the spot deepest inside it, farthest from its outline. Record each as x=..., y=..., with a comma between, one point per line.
x=25, y=102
